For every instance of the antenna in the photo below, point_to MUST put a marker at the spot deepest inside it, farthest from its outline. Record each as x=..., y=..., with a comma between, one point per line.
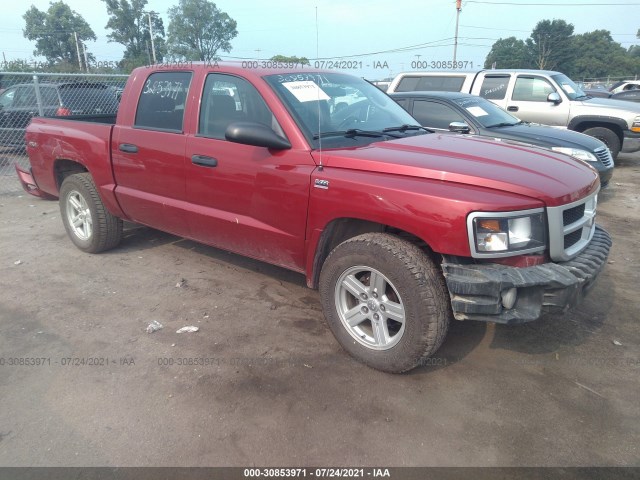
x=320, y=166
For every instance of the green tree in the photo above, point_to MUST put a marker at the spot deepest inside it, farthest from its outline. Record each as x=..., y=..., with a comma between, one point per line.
x=509, y=53
x=598, y=55
x=291, y=59
x=129, y=25
x=198, y=30
x=53, y=32
x=550, y=45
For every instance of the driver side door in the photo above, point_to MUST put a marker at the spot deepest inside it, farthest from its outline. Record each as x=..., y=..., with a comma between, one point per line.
x=246, y=199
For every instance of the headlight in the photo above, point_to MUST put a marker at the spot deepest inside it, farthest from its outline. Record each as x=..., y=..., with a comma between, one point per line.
x=579, y=154
x=502, y=234
x=636, y=124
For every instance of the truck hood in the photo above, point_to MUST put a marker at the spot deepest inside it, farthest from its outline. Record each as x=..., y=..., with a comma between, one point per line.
x=545, y=136
x=608, y=107
x=537, y=173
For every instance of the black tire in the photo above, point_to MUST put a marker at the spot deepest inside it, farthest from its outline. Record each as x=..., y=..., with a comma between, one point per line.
x=414, y=282
x=104, y=231
x=607, y=136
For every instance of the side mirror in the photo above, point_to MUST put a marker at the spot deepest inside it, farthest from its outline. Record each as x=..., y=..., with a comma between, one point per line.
x=459, y=127
x=256, y=134
x=554, y=98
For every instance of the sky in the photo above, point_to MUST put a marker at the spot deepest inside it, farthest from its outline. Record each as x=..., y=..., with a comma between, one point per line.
x=370, y=38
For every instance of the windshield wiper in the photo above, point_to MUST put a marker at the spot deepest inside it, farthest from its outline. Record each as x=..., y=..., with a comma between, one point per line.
x=503, y=124
x=405, y=127
x=354, y=132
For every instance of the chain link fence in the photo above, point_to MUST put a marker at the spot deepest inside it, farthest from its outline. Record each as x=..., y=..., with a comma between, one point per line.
x=27, y=95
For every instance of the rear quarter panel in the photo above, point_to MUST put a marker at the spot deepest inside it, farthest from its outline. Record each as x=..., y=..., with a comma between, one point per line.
x=50, y=140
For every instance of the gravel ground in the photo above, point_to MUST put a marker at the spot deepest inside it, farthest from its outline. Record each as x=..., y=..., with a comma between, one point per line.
x=263, y=382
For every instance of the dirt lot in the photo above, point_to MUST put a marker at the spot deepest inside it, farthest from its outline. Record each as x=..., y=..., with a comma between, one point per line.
x=274, y=387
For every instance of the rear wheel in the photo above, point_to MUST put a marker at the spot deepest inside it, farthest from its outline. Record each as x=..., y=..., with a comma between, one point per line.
x=88, y=223
x=608, y=137
x=385, y=301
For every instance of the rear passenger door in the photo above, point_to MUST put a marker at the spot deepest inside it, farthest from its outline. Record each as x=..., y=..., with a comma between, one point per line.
x=246, y=199
x=148, y=156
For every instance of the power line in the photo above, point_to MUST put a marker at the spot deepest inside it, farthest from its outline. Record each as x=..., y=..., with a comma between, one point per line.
x=555, y=4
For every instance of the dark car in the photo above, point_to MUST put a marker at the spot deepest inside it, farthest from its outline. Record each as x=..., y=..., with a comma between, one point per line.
x=628, y=90
x=628, y=95
x=19, y=103
x=464, y=113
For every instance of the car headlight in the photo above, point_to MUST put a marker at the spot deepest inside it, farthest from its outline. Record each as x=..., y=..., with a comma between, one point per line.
x=636, y=124
x=579, y=154
x=502, y=234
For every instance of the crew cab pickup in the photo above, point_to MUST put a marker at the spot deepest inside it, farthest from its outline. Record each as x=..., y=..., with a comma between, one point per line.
x=539, y=96
x=400, y=229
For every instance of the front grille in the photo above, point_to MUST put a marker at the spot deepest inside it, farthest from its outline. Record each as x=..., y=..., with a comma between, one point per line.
x=571, y=227
x=604, y=155
x=572, y=215
x=572, y=238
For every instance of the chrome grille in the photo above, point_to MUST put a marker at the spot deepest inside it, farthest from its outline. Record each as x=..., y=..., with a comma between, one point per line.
x=571, y=227
x=604, y=155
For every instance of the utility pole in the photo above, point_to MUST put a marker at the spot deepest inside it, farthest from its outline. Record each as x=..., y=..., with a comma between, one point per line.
x=153, y=47
x=78, y=50
x=86, y=59
x=455, y=41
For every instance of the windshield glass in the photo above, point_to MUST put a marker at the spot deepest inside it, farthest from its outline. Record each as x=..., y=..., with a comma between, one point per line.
x=333, y=106
x=570, y=89
x=486, y=113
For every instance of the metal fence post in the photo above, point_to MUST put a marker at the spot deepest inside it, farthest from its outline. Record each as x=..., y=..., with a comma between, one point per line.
x=36, y=86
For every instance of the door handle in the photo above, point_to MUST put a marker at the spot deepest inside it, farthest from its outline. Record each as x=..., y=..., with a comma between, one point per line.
x=512, y=109
x=127, y=147
x=204, y=161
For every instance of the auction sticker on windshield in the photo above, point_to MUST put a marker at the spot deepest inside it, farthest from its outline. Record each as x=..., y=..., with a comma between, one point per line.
x=306, y=91
x=477, y=111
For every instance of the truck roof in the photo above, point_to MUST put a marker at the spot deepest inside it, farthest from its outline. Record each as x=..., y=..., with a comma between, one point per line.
x=244, y=68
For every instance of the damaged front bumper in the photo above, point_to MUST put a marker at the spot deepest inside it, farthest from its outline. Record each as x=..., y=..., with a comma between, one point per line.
x=484, y=291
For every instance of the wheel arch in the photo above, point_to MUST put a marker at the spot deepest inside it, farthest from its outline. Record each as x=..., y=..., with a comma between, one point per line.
x=63, y=167
x=616, y=125
x=341, y=229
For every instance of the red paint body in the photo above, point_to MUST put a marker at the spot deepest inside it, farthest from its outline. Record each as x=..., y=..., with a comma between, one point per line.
x=262, y=203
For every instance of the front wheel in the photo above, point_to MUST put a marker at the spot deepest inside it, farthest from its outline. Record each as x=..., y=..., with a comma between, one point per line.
x=385, y=301
x=608, y=137
x=88, y=223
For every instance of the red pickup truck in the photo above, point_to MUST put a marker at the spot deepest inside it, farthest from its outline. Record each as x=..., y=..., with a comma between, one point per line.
x=400, y=229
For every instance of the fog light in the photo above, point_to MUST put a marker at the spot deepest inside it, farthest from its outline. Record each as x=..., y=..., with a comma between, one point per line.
x=509, y=297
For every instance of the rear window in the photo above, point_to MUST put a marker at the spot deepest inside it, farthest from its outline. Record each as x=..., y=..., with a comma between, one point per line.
x=440, y=83
x=86, y=99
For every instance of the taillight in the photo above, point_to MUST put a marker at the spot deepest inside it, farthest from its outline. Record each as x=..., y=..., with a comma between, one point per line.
x=63, y=112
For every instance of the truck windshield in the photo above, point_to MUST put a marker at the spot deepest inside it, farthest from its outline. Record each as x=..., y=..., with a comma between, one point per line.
x=486, y=113
x=340, y=110
x=572, y=91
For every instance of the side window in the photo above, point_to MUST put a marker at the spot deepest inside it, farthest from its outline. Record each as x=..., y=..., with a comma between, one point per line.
x=227, y=99
x=408, y=84
x=532, y=89
x=161, y=104
x=403, y=102
x=494, y=87
x=49, y=96
x=25, y=97
x=441, y=83
x=435, y=115
x=6, y=99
